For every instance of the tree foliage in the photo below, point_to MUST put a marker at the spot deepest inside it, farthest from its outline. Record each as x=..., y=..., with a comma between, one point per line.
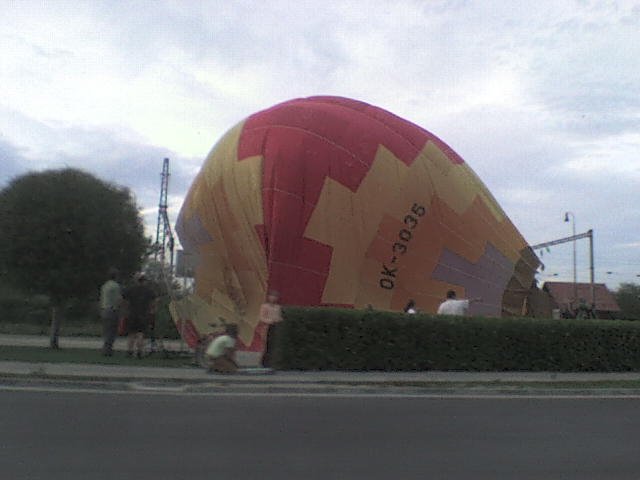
x=628, y=298
x=61, y=230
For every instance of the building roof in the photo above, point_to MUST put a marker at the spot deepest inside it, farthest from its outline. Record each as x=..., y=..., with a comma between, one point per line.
x=562, y=293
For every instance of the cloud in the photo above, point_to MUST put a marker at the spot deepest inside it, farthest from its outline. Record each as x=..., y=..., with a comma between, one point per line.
x=115, y=155
x=628, y=245
x=543, y=103
x=12, y=161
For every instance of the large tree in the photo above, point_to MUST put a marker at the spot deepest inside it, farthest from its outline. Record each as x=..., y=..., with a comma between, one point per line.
x=62, y=230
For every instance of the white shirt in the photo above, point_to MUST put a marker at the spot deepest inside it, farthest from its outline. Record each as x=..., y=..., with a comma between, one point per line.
x=270, y=313
x=453, y=307
x=219, y=345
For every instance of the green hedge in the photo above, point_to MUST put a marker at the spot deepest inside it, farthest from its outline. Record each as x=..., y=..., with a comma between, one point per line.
x=337, y=339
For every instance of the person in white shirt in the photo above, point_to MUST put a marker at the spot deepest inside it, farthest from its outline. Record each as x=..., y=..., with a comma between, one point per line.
x=221, y=352
x=110, y=303
x=455, y=306
x=270, y=317
x=410, y=308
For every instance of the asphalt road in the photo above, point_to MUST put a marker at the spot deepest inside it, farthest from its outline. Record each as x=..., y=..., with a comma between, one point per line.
x=63, y=435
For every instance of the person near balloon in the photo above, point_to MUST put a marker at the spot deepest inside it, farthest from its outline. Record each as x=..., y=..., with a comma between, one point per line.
x=110, y=303
x=270, y=316
x=140, y=302
x=221, y=352
x=410, y=307
x=455, y=306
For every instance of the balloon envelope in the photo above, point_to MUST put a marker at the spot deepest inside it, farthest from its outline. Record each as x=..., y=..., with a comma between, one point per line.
x=331, y=201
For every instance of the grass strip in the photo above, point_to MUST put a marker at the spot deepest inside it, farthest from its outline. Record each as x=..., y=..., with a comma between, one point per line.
x=69, y=329
x=89, y=356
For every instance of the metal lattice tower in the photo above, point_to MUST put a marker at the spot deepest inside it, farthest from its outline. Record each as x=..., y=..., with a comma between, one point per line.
x=164, y=235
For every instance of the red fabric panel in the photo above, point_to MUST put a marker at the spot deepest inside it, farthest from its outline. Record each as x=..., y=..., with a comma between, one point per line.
x=303, y=142
x=189, y=332
x=297, y=285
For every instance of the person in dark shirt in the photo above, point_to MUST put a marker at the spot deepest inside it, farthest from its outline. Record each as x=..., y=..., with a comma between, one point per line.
x=140, y=301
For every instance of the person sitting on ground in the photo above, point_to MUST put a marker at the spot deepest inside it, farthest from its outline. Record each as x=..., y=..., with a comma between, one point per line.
x=221, y=353
x=454, y=306
x=410, y=307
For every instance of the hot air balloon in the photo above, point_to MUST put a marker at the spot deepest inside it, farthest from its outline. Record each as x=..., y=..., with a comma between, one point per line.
x=331, y=201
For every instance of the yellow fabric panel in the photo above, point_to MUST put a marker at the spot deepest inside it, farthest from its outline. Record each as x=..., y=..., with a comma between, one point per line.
x=348, y=222
x=459, y=213
x=370, y=292
x=456, y=184
x=199, y=312
x=232, y=272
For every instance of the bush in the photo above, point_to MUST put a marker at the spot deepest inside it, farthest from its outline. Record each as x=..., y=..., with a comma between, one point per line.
x=16, y=307
x=81, y=310
x=337, y=339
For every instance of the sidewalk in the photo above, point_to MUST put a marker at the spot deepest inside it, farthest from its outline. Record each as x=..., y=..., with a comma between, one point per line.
x=245, y=359
x=193, y=376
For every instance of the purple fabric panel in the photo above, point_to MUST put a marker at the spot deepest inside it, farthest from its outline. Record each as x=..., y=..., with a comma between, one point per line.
x=486, y=279
x=192, y=233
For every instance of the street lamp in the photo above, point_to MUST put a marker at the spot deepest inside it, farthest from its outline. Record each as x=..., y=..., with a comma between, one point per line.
x=573, y=225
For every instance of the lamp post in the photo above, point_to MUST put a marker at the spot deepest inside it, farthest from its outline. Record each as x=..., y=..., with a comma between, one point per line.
x=573, y=229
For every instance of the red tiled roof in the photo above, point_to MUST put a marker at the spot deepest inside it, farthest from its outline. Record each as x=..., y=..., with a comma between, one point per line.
x=563, y=293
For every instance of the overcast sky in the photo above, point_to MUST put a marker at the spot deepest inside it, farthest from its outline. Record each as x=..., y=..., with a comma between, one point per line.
x=542, y=99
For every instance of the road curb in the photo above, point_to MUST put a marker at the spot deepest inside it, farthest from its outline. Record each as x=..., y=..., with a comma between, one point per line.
x=266, y=384
x=451, y=391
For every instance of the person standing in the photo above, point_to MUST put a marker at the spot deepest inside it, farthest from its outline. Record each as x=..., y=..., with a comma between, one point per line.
x=140, y=300
x=270, y=315
x=410, y=307
x=454, y=306
x=110, y=302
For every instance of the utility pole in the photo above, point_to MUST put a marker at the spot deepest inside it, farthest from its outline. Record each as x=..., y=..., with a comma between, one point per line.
x=164, y=235
x=575, y=275
x=592, y=271
x=588, y=234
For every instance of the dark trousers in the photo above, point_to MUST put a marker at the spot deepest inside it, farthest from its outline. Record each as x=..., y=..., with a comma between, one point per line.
x=267, y=356
x=223, y=364
x=109, y=329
